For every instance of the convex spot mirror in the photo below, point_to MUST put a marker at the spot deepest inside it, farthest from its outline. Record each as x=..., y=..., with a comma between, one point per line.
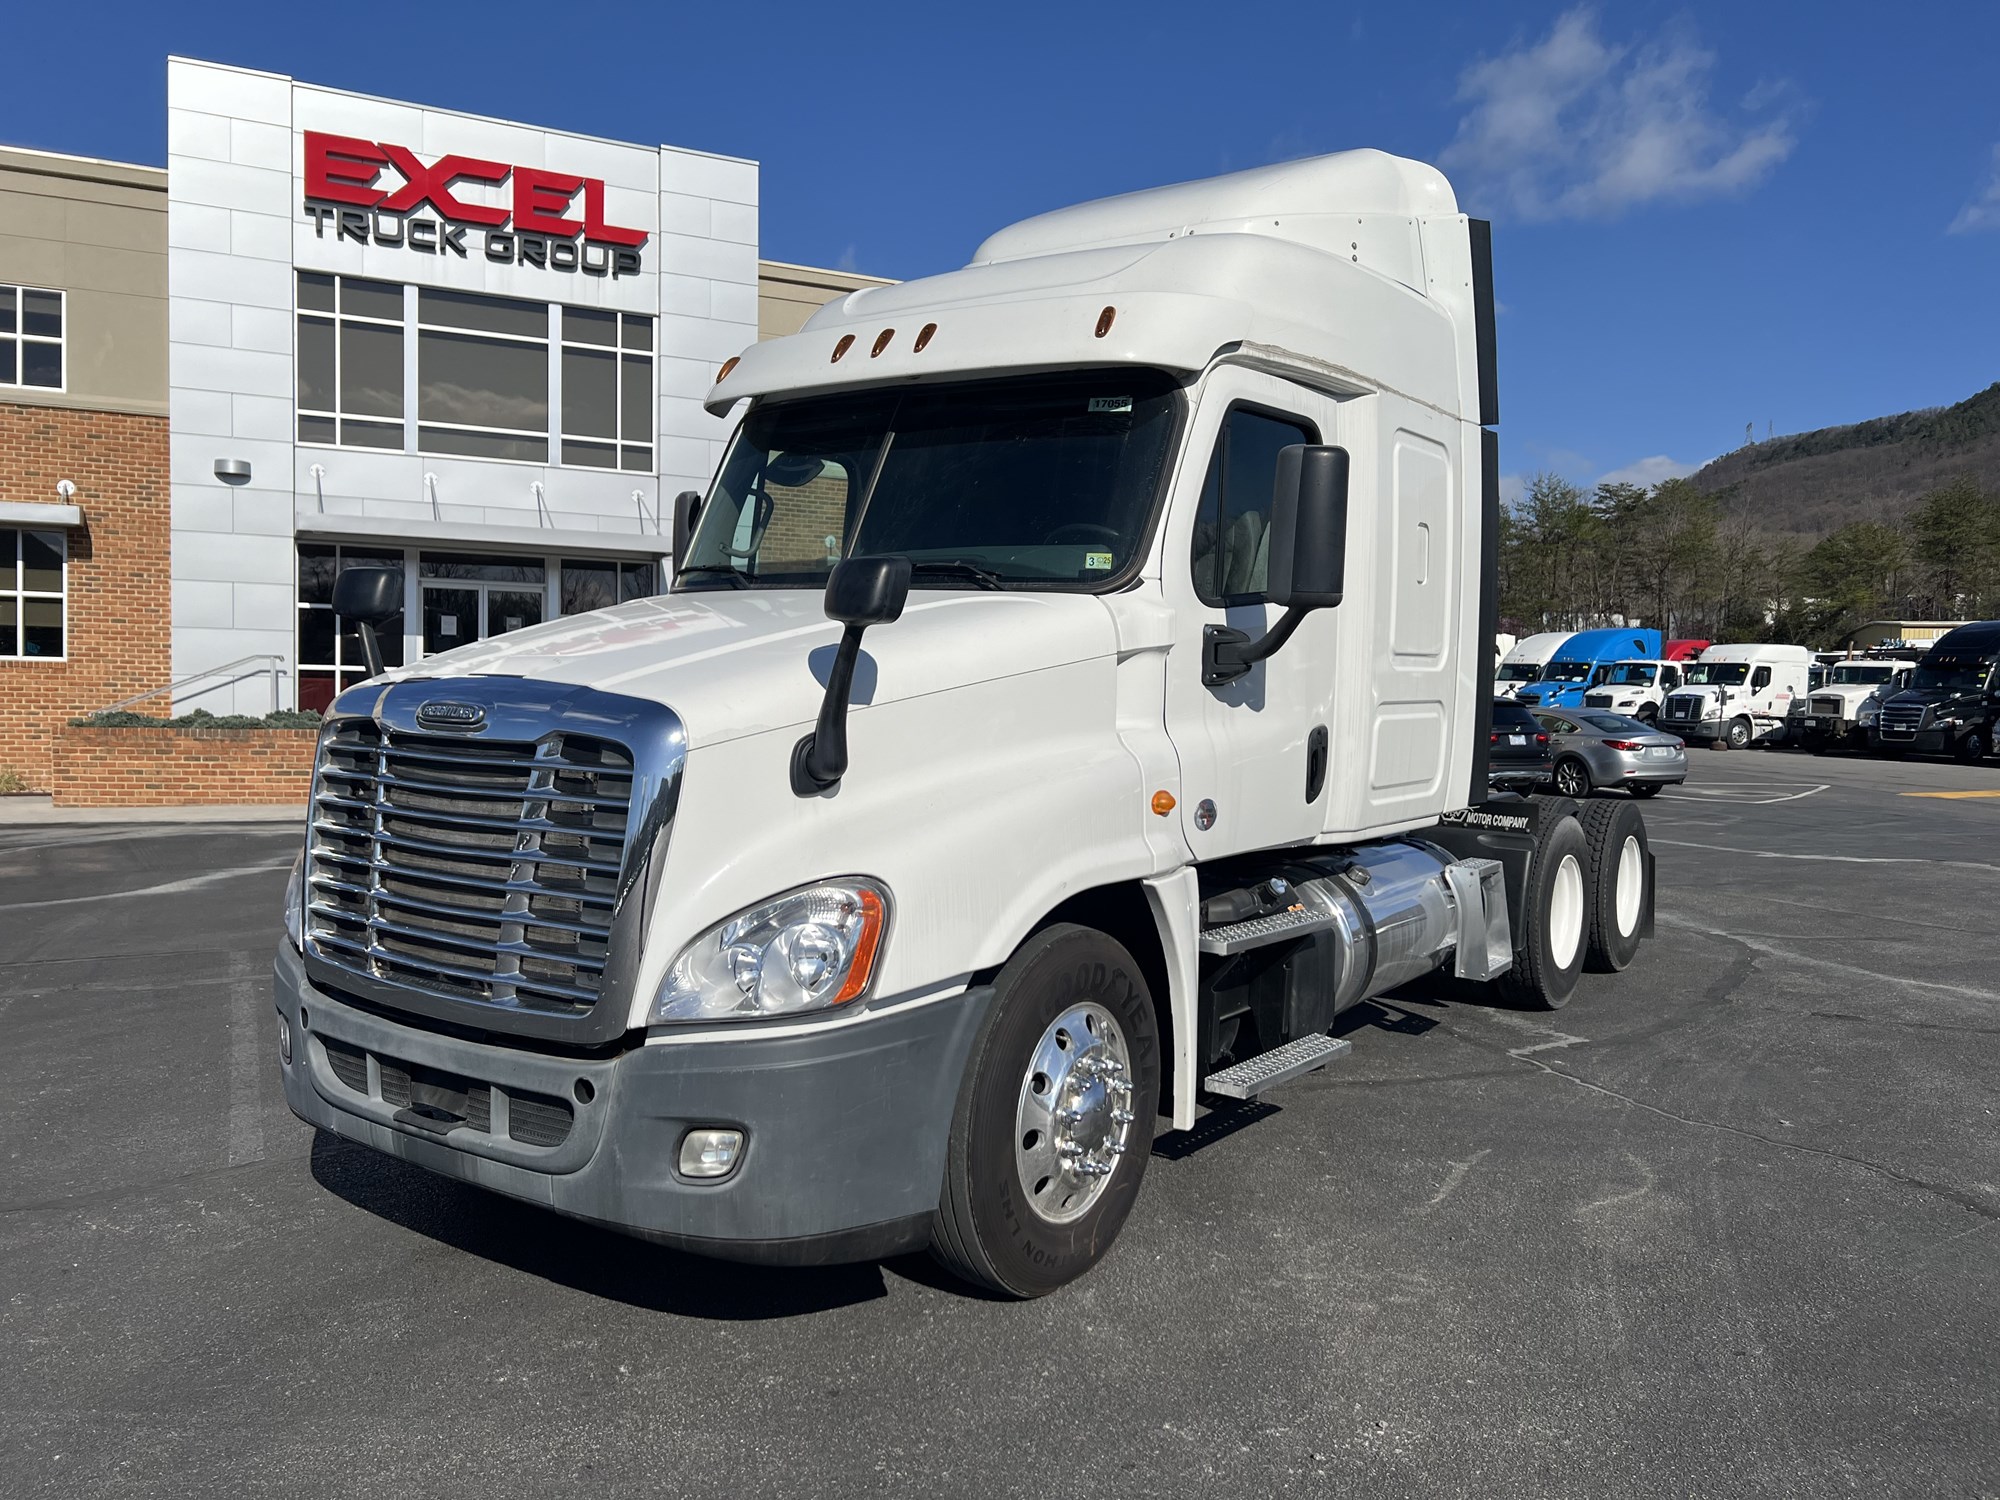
x=368, y=596
x=1308, y=558
x=861, y=591
x=365, y=598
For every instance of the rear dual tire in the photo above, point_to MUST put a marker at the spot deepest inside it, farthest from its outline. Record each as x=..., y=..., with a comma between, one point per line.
x=1555, y=926
x=1621, y=883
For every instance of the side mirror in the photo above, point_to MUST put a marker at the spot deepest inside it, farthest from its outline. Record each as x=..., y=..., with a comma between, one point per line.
x=365, y=598
x=687, y=509
x=860, y=592
x=1308, y=563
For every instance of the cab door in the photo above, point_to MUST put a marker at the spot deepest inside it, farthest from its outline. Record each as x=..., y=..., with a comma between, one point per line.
x=1254, y=752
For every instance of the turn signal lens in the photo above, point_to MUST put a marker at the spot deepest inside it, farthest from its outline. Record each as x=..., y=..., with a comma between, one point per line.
x=846, y=343
x=1105, y=320
x=1163, y=802
x=881, y=342
x=727, y=365
x=923, y=337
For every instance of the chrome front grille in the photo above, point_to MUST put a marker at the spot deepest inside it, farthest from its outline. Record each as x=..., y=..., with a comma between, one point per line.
x=476, y=869
x=1901, y=718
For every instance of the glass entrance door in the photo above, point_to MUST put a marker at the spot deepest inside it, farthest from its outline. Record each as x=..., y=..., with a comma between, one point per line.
x=460, y=612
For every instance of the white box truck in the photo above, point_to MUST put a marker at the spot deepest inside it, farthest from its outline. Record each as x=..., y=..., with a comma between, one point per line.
x=816, y=912
x=1737, y=695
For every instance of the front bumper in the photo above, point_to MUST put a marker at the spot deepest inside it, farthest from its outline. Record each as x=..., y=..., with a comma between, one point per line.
x=1922, y=741
x=845, y=1126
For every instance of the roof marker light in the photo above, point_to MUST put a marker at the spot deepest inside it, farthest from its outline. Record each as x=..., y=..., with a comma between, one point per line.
x=881, y=342
x=924, y=337
x=1104, y=321
x=727, y=365
x=846, y=343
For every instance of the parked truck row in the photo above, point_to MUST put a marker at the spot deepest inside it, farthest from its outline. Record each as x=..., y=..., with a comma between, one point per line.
x=826, y=909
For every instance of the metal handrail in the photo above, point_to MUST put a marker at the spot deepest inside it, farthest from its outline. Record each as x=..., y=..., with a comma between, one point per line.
x=276, y=667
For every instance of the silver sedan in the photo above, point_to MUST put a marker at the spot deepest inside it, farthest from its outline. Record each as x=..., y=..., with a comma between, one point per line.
x=1595, y=749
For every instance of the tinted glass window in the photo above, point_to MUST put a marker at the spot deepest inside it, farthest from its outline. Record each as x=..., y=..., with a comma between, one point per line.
x=1232, y=549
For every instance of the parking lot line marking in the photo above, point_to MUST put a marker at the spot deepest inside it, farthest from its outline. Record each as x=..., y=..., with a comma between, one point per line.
x=1832, y=859
x=1734, y=791
x=1952, y=795
x=170, y=888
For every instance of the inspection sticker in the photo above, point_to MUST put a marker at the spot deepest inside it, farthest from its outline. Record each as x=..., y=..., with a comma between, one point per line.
x=1110, y=403
x=1097, y=562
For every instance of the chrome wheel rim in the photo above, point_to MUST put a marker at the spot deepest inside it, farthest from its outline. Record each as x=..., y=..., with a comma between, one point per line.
x=1566, y=912
x=1074, y=1114
x=1631, y=884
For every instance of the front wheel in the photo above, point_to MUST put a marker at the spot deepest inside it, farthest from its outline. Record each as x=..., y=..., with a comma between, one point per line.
x=1055, y=1117
x=1975, y=746
x=1737, y=735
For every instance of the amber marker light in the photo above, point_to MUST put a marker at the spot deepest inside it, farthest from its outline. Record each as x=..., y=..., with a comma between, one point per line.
x=881, y=342
x=727, y=365
x=865, y=948
x=846, y=343
x=924, y=337
x=1163, y=802
x=1105, y=320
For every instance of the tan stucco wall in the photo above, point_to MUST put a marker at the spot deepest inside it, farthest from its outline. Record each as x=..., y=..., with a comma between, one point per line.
x=97, y=231
x=787, y=295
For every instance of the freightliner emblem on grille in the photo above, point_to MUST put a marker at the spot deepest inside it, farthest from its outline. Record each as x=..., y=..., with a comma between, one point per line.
x=440, y=714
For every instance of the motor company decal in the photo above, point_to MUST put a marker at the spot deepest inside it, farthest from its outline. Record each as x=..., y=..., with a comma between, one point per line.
x=550, y=219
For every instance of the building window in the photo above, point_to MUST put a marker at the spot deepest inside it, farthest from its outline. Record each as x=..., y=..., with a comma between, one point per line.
x=607, y=389
x=31, y=593
x=482, y=376
x=350, y=362
x=330, y=659
x=597, y=583
x=31, y=337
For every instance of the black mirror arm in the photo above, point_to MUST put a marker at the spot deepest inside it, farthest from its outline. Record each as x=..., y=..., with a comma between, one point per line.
x=371, y=649
x=1228, y=653
x=820, y=759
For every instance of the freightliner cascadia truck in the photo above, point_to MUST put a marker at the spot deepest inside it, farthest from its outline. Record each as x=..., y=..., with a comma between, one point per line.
x=1073, y=695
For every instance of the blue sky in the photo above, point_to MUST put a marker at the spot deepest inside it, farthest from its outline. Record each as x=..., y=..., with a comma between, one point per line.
x=1706, y=214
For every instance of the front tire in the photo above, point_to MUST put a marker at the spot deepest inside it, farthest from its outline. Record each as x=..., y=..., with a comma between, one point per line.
x=1055, y=1117
x=1556, y=924
x=1737, y=735
x=1975, y=747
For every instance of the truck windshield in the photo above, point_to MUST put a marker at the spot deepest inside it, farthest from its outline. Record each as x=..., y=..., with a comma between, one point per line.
x=1519, y=671
x=1044, y=481
x=1718, y=674
x=1862, y=673
x=1566, y=671
x=1954, y=673
x=1634, y=674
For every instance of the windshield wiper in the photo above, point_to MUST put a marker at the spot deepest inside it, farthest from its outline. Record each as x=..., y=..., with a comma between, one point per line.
x=736, y=580
x=984, y=578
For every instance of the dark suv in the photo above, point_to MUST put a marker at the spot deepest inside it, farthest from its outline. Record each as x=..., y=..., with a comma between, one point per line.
x=1518, y=757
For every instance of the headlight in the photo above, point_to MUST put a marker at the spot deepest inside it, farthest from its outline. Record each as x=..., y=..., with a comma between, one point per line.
x=807, y=950
x=295, y=916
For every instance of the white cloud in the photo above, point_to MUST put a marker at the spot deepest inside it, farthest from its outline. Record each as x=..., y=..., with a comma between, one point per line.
x=1648, y=472
x=1574, y=126
x=1512, y=488
x=848, y=261
x=1983, y=212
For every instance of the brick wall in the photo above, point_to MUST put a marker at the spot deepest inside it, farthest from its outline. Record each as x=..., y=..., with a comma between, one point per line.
x=181, y=767
x=120, y=608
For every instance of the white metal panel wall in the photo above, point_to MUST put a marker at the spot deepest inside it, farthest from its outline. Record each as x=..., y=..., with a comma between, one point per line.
x=237, y=235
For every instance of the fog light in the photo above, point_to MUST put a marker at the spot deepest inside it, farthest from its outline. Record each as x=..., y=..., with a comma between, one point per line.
x=710, y=1153
x=284, y=1040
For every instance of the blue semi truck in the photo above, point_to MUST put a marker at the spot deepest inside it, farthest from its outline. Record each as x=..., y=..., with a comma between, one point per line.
x=1583, y=661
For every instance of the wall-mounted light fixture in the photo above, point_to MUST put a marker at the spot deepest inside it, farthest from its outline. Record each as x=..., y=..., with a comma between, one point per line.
x=233, y=470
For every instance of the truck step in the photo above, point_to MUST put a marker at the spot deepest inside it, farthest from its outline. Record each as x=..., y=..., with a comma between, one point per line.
x=1255, y=932
x=1249, y=1078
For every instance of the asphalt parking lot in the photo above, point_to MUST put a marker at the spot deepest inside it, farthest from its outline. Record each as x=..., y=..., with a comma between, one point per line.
x=1724, y=1226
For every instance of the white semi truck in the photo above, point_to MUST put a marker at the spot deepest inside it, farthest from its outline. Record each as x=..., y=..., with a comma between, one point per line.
x=815, y=912
x=1526, y=659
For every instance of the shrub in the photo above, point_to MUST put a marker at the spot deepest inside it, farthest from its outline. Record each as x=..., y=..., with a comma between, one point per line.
x=201, y=718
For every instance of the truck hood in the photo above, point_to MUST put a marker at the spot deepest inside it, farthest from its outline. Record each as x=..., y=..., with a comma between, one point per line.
x=741, y=663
